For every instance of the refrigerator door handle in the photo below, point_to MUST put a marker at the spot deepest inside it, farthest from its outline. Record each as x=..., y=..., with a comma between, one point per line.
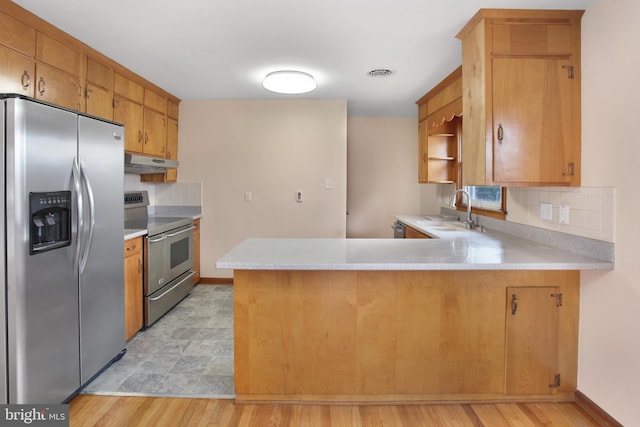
x=92, y=216
x=75, y=172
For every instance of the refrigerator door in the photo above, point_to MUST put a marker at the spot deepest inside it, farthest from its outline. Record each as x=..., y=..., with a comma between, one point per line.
x=101, y=152
x=3, y=266
x=42, y=291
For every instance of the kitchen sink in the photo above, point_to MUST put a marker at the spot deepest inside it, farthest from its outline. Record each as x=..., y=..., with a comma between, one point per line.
x=440, y=217
x=446, y=228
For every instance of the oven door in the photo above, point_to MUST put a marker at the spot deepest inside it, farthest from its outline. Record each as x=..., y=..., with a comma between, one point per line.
x=168, y=255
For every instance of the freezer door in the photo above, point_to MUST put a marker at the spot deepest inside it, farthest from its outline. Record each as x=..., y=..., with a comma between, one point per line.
x=42, y=289
x=101, y=154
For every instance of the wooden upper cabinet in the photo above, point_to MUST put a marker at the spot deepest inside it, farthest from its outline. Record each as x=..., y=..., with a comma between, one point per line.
x=173, y=109
x=155, y=133
x=521, y=98
x=130, y=114
x=17, y=49
x=58, y=55
x=58, y=87
x=439, y=131
x=58, y=72
x=17, y=72
x=99, y=89
x=172, y=148
x=17, y=35
x=128, y=88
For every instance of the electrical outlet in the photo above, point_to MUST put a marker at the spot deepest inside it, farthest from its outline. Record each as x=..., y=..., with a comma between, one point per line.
x=299, y=196
x=546, y=211
x=563, y=214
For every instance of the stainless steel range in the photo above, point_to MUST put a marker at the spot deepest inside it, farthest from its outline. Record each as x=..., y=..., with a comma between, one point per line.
x=168, y=255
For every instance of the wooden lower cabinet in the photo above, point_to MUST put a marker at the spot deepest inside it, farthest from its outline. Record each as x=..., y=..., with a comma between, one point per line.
x=133, y=286
x=404, y=335
x=412, y=233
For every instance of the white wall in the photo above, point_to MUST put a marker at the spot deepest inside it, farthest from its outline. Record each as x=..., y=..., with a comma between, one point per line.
x=609, y=364
x=273, y=149
x=382, y=176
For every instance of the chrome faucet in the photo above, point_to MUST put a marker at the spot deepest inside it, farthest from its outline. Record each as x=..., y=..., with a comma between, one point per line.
x=469, y=222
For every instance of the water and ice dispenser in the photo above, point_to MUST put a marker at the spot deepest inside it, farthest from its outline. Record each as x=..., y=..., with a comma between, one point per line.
x=50, y=215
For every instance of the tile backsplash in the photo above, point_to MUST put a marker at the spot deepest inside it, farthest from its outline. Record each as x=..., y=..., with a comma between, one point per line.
x=591, y=209
x=170, y=194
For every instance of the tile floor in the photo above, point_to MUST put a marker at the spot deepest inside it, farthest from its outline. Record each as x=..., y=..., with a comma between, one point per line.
x=187, y=353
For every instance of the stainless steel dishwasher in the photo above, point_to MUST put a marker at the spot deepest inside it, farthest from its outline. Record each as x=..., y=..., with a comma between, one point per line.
x=399, y=230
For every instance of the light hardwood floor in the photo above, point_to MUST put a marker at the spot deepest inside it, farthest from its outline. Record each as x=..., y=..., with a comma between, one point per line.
x=120, y=411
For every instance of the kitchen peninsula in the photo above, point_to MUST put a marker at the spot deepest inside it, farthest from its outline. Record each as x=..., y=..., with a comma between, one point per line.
x=473, y=316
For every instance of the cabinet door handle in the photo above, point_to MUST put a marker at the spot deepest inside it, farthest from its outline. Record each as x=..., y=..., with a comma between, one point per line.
x=139, y=136
x=130, y=248
x=41, y=86
x=571, y=171
x=25, y=80
x=500, y=133
x=146, y=137
x=514, y=304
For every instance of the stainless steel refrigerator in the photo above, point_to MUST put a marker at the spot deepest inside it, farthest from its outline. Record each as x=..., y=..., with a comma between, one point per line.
x=63, y=294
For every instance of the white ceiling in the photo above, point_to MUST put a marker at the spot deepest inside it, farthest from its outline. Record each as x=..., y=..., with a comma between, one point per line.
x=220, y=49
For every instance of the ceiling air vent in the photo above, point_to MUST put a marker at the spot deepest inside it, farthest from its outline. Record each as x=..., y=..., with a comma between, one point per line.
x=380, y=72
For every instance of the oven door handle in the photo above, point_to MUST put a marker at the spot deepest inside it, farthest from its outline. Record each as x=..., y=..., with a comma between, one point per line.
x=158, y=240
x=181, y=231
x=173, y=287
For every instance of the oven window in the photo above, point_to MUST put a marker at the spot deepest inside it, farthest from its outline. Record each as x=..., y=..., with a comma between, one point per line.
x=179, y=252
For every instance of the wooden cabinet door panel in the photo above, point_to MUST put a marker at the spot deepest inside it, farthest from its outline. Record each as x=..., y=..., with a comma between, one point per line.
x=128, y=88
x=172, y=148
x=412, y=233
x=58, y=55
x=532, y=340
x=129, y=114
x=17, y=35
x=133, y=287
x=17, y=73
x=58, y=87
x=99, y=102
x=155, y=128
x=532, y=101
x=99, y=74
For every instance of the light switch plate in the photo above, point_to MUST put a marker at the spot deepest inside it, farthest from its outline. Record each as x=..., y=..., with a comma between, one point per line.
x=563, y=214
x=546, y=211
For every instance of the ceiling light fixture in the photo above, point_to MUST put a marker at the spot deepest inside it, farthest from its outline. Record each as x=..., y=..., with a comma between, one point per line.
x=289, y=82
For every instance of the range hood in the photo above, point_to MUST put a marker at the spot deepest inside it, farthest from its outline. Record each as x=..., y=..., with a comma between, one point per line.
x=141, y=165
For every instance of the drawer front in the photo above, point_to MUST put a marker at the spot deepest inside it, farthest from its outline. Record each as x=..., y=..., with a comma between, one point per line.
x=132, y=247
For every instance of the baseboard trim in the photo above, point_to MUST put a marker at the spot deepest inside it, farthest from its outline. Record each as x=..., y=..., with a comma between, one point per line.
x=598, y=414
x=216, y=281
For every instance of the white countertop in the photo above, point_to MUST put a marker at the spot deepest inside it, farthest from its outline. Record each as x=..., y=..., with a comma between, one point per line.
x=452, y=250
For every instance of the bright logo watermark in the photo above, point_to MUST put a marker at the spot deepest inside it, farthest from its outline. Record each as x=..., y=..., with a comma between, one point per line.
x=34, y=415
